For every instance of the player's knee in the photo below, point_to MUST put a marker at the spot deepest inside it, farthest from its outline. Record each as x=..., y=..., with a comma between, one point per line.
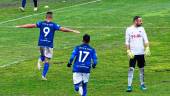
x=141, y=66
x=76, y=87
x=47, y=60
x=131, y=69
x=42, y=58
x=141, y=71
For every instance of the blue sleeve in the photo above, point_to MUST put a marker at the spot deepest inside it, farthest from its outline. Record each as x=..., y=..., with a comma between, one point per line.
x=74, y=53
x=57, y=27
x=94, y=57
x=38, y=24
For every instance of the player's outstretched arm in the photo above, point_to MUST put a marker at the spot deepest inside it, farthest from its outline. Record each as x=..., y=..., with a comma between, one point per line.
x=27, y=26
x=68, y=30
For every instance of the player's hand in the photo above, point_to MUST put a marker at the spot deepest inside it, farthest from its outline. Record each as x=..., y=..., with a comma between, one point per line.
x=147, y=51
x=130, y=54
x=75, y=31
x=93, y=66
x=69, y=65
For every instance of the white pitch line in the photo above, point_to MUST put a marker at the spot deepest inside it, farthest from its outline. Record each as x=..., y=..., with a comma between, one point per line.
x=45, y=12
x=9, y=64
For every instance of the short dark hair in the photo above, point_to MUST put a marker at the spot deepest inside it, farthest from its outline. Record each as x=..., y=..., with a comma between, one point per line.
x=86, y=38
x=135, y=18
x=49, y=14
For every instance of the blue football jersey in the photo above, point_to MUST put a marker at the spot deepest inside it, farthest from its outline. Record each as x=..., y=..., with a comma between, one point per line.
x=47, y=30
x=82, y=56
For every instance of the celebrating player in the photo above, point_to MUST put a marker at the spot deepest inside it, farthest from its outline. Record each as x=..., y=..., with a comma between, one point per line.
x=83, y=54
x=24, y=3
x=47, y=30
x=137, y=46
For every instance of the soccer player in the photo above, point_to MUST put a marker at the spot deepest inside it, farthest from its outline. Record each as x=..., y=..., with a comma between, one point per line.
x=137, y=47
x=47, y=30
x=82, y=56
x=24, y=3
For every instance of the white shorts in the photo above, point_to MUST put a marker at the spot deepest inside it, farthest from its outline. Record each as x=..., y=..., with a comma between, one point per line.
x=48, y=52
x=80, y=77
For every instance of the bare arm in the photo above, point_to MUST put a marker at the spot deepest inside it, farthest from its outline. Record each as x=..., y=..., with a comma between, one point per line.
x=127, y=47
x=68, y=30
x=27, y=26
x=146, y=44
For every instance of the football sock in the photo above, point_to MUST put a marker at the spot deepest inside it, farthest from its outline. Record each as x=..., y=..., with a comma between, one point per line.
x=46, y=67
x=80, y=90
x=23, y=3
x=84, y=85
x=76, y=87
x=130, y=76
x=141, y=76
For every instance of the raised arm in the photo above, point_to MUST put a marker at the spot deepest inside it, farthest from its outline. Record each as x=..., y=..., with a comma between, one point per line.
x=27, y=26
x=68, y=30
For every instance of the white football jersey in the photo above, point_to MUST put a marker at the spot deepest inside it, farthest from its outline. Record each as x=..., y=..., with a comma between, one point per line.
x=136, y=37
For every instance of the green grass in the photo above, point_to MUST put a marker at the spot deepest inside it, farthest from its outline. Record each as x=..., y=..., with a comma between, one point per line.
x=19, y=48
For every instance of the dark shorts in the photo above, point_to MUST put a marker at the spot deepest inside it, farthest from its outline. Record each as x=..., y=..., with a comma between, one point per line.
x=140, y=59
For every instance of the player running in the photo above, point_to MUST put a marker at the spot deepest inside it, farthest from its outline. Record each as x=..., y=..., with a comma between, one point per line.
x=137, y=46
x=82, y=56
x=24, y=3
x=47, y=30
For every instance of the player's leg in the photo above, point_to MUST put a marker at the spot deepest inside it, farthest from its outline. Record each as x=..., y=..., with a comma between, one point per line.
x=76, y=87
x=35, y=5
x=84, y=83
x=41, y=58
x=141, y=64
x=77, y=80
x=46, y=67
x=23, y=5
x=48, y=55
x=81, y=88
x=132, y=63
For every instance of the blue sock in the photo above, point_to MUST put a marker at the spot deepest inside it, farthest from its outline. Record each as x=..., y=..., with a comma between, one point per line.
x=84, y=89
x=42, y=58
x=76, y=87
x=46, y=67
x=23, y=3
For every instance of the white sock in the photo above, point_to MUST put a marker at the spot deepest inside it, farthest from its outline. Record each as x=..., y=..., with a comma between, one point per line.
x=80, y=90
x=141, y=75
x=130, y=76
